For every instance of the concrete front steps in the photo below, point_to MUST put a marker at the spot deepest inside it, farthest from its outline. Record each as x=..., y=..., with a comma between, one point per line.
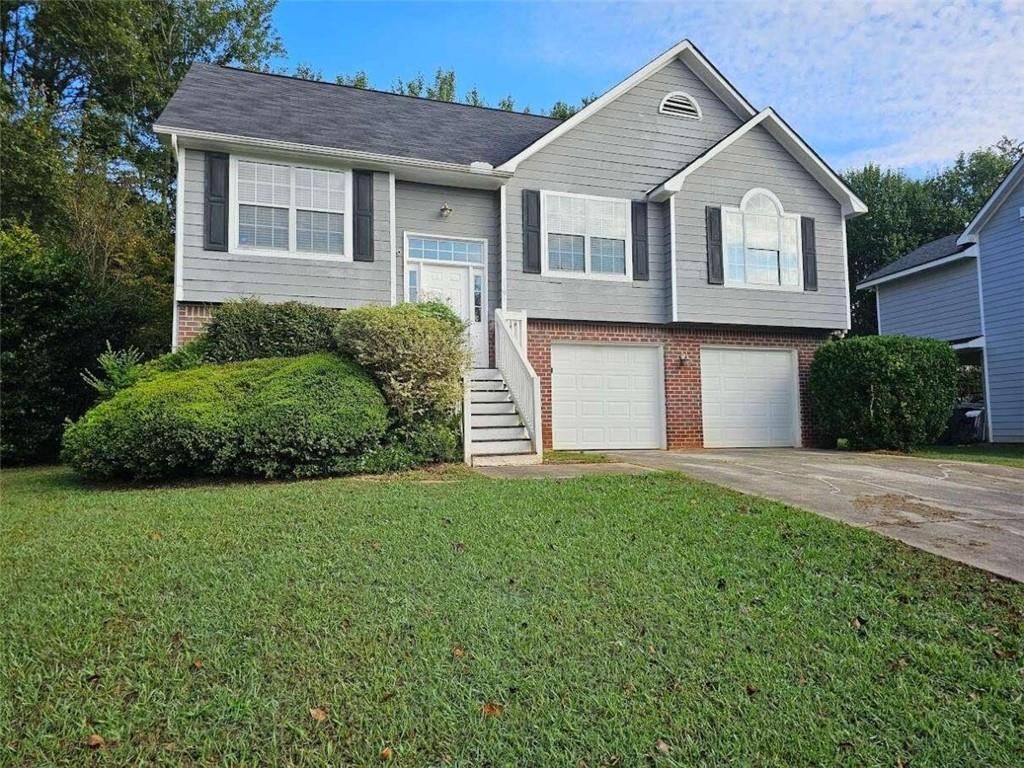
x=496, y=432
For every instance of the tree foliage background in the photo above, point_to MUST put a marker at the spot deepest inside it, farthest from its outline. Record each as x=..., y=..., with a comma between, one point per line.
x=87, y=190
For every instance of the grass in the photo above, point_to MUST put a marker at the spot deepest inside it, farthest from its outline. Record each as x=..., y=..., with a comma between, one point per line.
x=1007, y=454
x=574, y=457
x=459, y=620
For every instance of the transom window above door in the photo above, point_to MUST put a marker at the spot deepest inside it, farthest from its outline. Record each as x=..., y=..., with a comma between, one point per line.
x=585, y=236
x=290, y=210
x=761, y=243
x=437, y=249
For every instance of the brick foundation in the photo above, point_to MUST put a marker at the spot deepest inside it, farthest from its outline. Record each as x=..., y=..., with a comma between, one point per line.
x=192, y=319
x=684, y=425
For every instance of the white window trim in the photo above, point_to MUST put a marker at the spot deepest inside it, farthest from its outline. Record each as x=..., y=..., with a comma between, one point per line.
x=292, y=253
x=689, y=98
x=799, y=246
x=587, y=274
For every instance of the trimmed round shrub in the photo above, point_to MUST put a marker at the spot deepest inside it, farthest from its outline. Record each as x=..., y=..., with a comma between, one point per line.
x=249, y=329
x=892, y=392
x=414, y=352
x=281, y=417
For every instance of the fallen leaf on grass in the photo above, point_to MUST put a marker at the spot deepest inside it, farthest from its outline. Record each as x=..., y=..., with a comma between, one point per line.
x=752, y=690
x=1005, y=653
x=898, y=664
x=493, y=709
x=458, y=652
x=859, y=623
x=459, y=547
x=155, y=536
x=387, y=753
x=662, y=747
x=318, y=714
x=95, y=741
x=197, y=664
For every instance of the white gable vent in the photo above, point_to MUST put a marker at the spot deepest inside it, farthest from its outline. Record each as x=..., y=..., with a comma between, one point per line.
x=679, y=104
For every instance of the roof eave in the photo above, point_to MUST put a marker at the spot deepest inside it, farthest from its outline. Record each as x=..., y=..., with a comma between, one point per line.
x=851, y=204
x=967, y=253
x=684, y=50
x=370, y=160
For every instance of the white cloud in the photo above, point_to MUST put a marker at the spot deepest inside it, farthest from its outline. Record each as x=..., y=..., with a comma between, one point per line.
x=906, y=84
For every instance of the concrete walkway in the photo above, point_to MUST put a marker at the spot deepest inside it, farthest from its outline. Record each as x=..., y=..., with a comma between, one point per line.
x=969, y=512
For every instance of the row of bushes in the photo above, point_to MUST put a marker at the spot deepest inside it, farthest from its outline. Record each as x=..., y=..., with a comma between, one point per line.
x=286, y=390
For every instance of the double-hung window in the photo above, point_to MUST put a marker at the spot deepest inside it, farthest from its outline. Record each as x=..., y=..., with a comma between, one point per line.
x=586, y=236
x=291, y=210
x=761, y=243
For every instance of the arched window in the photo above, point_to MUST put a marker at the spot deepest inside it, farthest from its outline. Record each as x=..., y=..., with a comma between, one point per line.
x=761, y=242
x=679, y=104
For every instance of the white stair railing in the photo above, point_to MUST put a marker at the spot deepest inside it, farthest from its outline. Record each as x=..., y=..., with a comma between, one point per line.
x=522, y=381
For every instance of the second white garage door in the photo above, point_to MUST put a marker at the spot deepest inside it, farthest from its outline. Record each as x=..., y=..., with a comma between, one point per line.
x=606, y=396
x=749, y=397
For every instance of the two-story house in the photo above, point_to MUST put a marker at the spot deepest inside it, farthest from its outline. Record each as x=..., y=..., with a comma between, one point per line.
x=968, y=289
x=655, y=271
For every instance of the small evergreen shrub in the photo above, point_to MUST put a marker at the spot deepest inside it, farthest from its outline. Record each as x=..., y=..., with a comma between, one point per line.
x=282, y=417
x=249, y=329
x=417, y=354
x=892, y=392
x=117, y=369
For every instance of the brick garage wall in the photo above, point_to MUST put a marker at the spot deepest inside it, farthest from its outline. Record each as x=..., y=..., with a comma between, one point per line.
x=684, y=427
x=192, y=319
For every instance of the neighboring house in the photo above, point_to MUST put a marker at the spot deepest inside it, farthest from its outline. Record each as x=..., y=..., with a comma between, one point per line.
x=968, y=289
x=656, y=271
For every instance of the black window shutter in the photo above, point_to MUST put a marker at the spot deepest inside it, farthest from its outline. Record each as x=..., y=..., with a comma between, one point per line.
x=531, y=231
x=215, y=203
x=810, y=253
x=640, y=257
x=362, y=210
x=713, y=216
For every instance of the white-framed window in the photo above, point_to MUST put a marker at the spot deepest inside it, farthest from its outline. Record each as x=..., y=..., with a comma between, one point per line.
x=761, y=244
x=446, y=249
x=586, y=236
x=283, y=209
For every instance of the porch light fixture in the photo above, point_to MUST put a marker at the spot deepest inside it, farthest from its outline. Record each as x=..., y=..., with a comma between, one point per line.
x=446, y=210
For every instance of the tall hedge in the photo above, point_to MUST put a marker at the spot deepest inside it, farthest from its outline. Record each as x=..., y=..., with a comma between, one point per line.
x=417, y=354
x=883, y=391
x=248, y=329
x=281, y=417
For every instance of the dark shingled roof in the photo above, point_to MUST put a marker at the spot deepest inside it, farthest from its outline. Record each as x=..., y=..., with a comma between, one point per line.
x=279, y=108
x=933, y=251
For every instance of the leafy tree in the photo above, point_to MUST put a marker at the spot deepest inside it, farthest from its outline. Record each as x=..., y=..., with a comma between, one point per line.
x=473, y=98
x=413, y=87
x=443, y=87
x=308, y=72
x=508, y=104
x=358, y=80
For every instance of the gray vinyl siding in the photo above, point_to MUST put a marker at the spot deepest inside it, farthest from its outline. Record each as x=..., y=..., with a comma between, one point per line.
x=757, y=160
x=940, y=303
x=216, y=276
x=621, y=151
x=476, y=213
x=1001, y=248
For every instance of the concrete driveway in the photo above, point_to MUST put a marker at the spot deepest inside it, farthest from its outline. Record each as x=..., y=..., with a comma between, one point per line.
x=973, y=513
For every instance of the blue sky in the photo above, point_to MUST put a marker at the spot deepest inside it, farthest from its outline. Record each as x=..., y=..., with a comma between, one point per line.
x=906, y=84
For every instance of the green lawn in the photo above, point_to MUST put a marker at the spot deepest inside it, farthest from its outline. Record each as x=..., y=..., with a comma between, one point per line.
x=1008, y=454
x=460, y=620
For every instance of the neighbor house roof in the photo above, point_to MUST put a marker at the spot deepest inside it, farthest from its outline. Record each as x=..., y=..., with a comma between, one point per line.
x=932, y=254
x=252, y=105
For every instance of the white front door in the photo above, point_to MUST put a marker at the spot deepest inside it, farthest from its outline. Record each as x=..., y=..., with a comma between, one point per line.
x=607, y=396
x=461, y=287
x=749, y=397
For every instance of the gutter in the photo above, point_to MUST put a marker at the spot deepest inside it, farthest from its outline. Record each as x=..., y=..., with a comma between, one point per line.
x=483, y=170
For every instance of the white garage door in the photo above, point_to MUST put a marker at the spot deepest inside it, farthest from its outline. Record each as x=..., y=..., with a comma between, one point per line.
x=749, y=397
x=606, y=396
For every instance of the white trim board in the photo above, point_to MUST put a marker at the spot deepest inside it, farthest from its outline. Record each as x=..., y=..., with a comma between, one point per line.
x=685, y=51
x=791, y=142
x=1006, y=186
x=969, y=253
x=179, y=239
x=394, y=238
